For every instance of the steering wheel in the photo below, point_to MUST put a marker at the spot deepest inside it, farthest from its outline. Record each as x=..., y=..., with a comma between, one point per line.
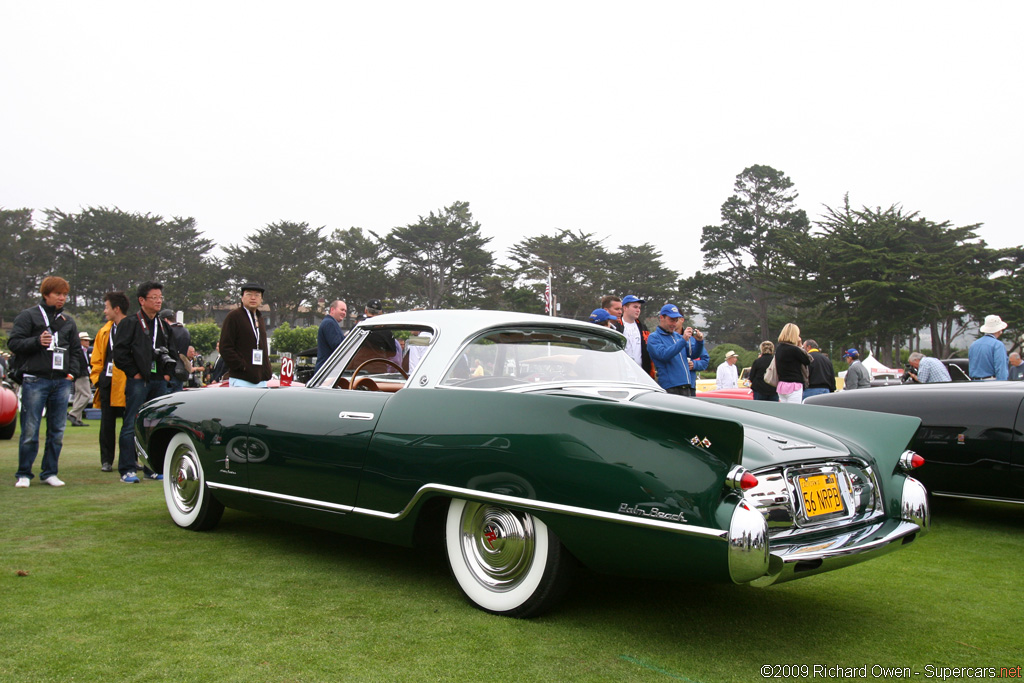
x=356, y=381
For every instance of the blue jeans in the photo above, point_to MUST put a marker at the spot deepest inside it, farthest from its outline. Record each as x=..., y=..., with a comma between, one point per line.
x=815, y=392
x=136, y=392
x=765, y=397
x=38, y=393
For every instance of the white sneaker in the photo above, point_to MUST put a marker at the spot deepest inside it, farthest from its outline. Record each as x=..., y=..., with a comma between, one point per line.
x=22, y=483
x=53, y=481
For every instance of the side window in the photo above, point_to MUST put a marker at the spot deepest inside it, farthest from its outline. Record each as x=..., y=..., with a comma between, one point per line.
x=380, y=358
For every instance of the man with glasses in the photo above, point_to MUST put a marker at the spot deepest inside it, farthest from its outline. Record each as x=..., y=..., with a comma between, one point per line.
x=145, y=353
x=243, y=341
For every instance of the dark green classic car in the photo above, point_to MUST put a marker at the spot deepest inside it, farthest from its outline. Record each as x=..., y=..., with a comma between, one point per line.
x=530, y=443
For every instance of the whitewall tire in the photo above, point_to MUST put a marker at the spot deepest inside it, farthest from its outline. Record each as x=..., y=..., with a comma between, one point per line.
x=505, y=561
x=188, y=499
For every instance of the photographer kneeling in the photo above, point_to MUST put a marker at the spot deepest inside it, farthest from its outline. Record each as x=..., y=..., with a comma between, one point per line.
x=145, y=353
x=928, y=369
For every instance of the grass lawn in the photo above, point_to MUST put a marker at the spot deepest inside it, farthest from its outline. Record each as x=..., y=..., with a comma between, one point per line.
x=115, y=592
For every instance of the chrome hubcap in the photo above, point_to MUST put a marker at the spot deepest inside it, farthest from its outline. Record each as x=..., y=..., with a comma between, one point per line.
x=185, y=479
x=497, y=544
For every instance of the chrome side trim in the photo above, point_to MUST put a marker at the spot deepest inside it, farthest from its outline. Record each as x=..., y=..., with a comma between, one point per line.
x=486, y=496
x=966, y=496
x=141, y=452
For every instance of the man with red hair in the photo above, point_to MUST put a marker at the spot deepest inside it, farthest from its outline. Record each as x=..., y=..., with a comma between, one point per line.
x=48, y=357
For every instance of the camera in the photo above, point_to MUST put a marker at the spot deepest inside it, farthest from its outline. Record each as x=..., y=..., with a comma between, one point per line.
x=906, y=378
x=165, y=362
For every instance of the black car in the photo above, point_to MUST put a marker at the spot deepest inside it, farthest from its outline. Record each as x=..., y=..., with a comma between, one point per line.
x=971, y=434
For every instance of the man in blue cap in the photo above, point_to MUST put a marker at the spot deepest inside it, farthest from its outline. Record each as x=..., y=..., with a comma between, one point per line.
x=676, y=356
x=636, y=332
x=602, y=317
x=857, y=376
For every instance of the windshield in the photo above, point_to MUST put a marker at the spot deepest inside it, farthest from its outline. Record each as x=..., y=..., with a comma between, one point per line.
x=510, y=357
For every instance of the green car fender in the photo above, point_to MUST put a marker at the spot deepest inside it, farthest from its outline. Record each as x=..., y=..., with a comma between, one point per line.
x=648, y=483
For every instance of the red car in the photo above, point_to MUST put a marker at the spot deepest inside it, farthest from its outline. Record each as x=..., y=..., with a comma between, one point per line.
x=8, y=410
x=740, y=392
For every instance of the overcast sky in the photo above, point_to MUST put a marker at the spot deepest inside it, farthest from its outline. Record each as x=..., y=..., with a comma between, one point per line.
x=626, y=120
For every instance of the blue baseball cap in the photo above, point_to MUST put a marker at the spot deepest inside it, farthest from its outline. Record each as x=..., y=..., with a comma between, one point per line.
x=852, y=353
x=670, y=310
x=600, y=316
x=630, y=299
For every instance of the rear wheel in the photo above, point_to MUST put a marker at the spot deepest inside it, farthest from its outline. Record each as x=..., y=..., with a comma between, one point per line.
x=188, y=499
x=505, y=562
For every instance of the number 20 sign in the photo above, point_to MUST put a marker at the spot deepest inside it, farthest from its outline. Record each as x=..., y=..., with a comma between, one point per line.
x=287, y=371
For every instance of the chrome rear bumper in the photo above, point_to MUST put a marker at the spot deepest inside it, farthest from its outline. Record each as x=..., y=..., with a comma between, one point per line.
x=788, y=562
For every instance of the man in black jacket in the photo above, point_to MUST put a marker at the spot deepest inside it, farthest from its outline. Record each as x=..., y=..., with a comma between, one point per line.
x=47, y=359
x=182, y=340
x=148, y=370
x=822, y=378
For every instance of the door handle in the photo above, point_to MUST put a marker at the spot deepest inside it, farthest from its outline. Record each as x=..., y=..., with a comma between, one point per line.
x=348, y=415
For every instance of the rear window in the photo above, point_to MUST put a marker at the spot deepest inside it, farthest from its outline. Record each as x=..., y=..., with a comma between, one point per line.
x=510, y=357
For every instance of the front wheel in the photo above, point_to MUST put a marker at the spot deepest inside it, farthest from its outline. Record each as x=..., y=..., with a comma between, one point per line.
x=188, y=499
x=505, y=562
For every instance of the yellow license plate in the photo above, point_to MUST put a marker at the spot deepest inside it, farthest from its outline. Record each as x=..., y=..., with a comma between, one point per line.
x=821, y=494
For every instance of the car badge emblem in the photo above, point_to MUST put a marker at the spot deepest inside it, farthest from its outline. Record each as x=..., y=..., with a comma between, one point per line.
x=706, y=442
x=423, y=381
x=695, y=440
x=491, y=534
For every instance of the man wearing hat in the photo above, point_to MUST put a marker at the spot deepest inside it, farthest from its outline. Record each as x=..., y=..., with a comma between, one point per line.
x=857, y=376
x=636, y=332
x=243, y=341
x=986, y=357
x=673, y=353
x=602, y=317
x=83, y=385
x=147, y=371
x=727, y=376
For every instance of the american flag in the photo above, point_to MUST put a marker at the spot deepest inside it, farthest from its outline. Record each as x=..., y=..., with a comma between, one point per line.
x=547, y=295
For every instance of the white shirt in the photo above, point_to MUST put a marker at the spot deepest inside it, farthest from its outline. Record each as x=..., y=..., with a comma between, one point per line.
x=416, y=352
x=632, y=332
x=726, y=376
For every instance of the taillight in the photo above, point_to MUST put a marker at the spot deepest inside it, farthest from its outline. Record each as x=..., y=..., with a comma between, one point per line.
x=910, y=461
x=740, y=478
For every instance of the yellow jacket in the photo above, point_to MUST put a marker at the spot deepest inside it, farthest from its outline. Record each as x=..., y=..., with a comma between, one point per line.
x=100, y=356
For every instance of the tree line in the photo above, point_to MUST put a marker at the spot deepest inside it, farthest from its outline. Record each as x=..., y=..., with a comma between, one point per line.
x=869, y=277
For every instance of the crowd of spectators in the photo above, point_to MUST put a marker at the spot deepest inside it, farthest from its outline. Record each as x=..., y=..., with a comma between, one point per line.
x=138, y=357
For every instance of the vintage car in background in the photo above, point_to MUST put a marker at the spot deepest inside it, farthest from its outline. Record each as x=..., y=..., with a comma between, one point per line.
x=971, y=434
x=525, y=443
x=744, y=393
